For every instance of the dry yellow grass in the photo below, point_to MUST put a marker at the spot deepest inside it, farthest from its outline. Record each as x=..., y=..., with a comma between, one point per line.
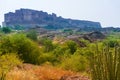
x=51, y=73
x=31, y=72
x=21, y=75
x=22, y=72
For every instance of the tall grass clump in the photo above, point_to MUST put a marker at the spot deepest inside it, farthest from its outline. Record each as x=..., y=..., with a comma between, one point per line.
x=105, y=63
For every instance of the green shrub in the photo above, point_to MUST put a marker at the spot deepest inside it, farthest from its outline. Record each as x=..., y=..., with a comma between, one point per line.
x=7, y=62
x=6, y=29
x=59, y=51
x=71, y=45
x=47, y=44
x=18, y=43
x=84, y=42
x=111, y=43
x=32, y=34
x=75, y=62
x=48, y=57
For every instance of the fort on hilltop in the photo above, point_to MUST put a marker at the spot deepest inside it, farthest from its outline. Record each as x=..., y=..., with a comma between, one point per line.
x=31, y=18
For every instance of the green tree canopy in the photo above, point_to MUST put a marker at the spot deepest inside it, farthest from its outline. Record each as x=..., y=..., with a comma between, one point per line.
x=6, y=29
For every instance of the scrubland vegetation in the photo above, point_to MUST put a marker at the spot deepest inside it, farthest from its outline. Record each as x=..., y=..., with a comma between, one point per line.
x=99, y=60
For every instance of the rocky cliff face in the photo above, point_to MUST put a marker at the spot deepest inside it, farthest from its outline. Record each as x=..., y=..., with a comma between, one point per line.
x=32, y=18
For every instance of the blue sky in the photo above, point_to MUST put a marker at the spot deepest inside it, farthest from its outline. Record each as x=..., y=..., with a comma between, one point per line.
x=105, y=11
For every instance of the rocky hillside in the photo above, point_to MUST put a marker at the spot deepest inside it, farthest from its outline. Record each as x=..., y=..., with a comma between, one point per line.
x=28, y=18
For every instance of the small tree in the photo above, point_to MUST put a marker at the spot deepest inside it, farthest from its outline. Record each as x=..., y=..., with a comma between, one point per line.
x=72, y=46
x=6, y=29
x=32, y=34
x=47, y=43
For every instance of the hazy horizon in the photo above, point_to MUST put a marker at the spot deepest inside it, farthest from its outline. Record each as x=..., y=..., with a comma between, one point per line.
x=104, y=11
